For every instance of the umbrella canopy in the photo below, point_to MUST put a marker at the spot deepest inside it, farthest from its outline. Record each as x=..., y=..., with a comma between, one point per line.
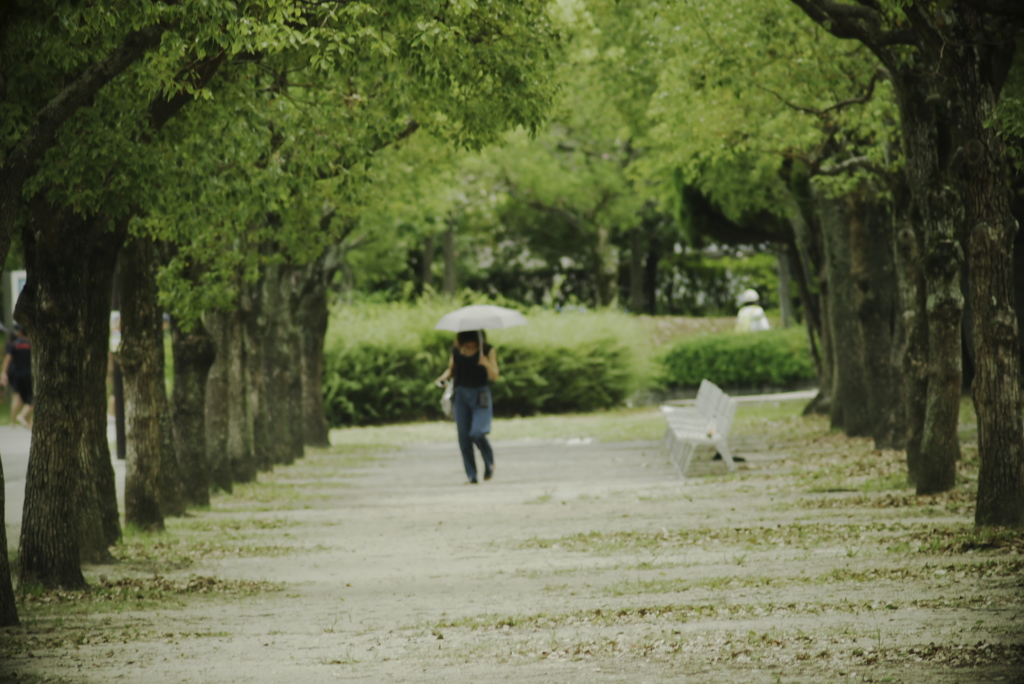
x=480, y=317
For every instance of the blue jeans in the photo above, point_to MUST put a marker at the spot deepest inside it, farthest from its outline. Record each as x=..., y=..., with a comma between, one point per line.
x=473, y=422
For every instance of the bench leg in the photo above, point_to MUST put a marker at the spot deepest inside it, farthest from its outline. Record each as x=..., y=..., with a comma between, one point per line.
x=723, y=448
x=685, y=457
x=675, y=453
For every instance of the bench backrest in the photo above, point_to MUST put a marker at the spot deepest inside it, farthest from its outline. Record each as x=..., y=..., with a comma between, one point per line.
x=727, y=411
x=709, y=399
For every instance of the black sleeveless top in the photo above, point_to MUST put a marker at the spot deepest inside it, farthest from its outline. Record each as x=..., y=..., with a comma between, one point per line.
x=468, y=372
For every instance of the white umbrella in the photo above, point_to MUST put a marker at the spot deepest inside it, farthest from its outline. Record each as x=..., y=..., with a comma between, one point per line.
x=480, y=317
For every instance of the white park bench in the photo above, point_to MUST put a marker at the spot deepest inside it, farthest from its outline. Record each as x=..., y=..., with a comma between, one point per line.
x=706, y=423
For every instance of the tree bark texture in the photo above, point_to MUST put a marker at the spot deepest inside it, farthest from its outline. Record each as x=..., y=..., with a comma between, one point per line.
x=785, y=288
x=426, y=266
x=152, y=484
x=218, y=408
x=296, y=443
x=254, y=321
x=812, y=282
x=637, y=297
x=935, y=212
x=651, y=272
x=876, y=298
x=100, y=521
x=279, y=365
x=229, y=418
x=991, y=228
x=451, y=272
x=312, y=323
x=850, y=399
x=63, y=253
x=604, y=265
x=912, y=345
x=240, y=430
x=193, y=356
x=8, y=607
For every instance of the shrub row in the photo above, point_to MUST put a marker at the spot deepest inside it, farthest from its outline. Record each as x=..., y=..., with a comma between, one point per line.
x=776, y=358
x=381, y=360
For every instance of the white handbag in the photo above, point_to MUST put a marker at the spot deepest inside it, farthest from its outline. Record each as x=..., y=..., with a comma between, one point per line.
x=446, y=399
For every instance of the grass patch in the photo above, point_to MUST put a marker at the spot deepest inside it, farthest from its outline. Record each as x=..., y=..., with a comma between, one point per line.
x=140, y=593
x=616, y=425
x=613, y=425
x=672, y=612
x=175, y=554
x=959, y=501
x=924, y=537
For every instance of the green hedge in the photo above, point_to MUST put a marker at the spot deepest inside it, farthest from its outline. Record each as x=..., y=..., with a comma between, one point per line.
x=381, y=360
x=776, y=358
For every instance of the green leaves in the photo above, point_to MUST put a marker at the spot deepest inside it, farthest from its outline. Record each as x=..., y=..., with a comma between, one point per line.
x=774, y=358
x=748, y=87
x=285, y=106
x=381, y=360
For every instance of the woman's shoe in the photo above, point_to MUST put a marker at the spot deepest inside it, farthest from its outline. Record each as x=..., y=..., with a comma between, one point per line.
x=489, y=473
x=473, y=481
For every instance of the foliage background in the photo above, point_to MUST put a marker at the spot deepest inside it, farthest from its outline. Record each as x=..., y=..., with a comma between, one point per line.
x=381, y=359
x=775, y=358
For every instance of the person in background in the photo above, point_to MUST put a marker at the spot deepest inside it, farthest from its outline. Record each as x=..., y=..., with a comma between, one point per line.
x=751, y=317
x=472, y=372
x=17, y=374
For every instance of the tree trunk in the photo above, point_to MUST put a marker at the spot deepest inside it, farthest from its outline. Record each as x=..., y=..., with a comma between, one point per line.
x=254, y=331
x=147, y=471
x=605, y=268
x=850, y=398
x=99, y=522
x=8, y=607
x=229, y=427
x=278, y=362
x=451, y=276
x=651, y=273
x=312, y=322
x=934, y=212
x=426, y=266
x=218, y=408
x=991, y=228
x=62, y=253
x=785, y=285
x=876, y=301
x=912, y=346
x=293, y=337
x=193, y=356
x=940, y=445
x=806, y=251
x=637, y=303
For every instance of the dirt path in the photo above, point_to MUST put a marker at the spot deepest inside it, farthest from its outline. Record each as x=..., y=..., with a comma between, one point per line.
x=579, y=562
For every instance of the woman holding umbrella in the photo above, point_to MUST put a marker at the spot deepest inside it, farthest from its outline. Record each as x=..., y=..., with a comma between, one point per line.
x=473, y=369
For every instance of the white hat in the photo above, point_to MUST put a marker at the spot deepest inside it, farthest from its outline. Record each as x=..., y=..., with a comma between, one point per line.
x=747, y=297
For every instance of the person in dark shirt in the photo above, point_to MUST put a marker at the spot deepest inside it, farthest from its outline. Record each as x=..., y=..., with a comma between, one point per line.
x=17, y=373
x=472, y=372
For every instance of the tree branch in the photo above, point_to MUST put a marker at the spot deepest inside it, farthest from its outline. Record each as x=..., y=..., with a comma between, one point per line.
x=161, y=111
x=820, y=113
x=1006, y=8
x=839, y=10
x=411, y=126
x=849, y=165
x=861, y=22
x=52, y=116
